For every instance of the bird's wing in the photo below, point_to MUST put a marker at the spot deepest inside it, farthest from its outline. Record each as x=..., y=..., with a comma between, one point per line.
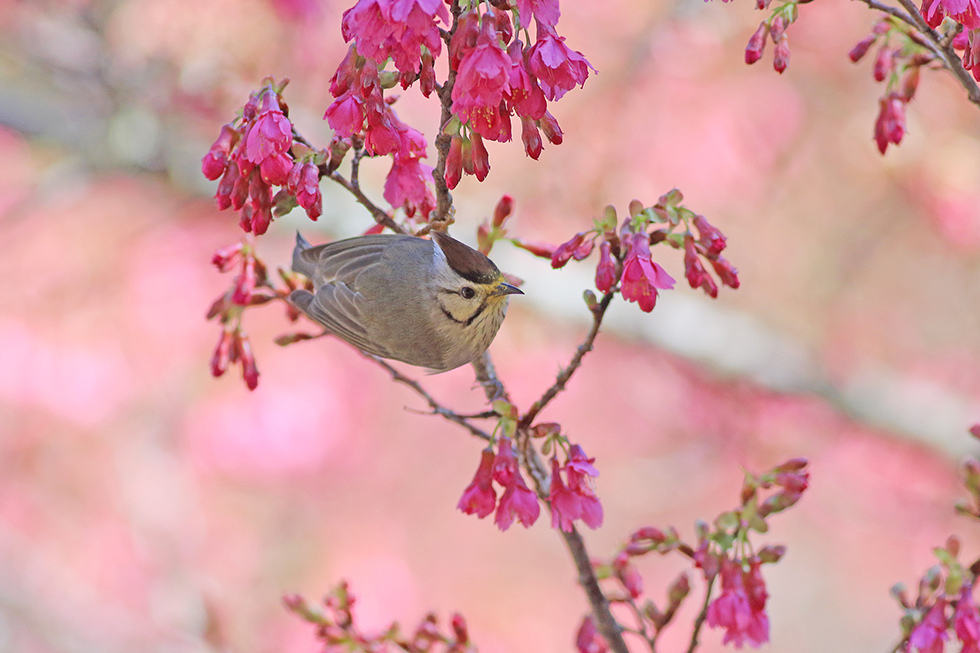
x=343, y=260
x=335, y=306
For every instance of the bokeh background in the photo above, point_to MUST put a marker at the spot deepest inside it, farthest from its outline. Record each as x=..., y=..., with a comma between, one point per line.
x=146, y=506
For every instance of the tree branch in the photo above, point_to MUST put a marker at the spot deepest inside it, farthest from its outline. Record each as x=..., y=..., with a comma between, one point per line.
x=437, y=408
x=937, y=44
x=566, y=374
x=701, y=617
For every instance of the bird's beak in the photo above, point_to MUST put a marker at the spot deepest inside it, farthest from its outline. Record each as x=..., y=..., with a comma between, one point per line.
x=506, y=289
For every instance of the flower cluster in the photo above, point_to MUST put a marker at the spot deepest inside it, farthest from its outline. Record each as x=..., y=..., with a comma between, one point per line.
x=624, y=252
x=336, y=628
x=256, y=152
x=518, y=500
x=898, y=60
x=498, y=77
x=722, y=550
x=943, y=607
x=361, y=113
x=773, y=28
x=250, y=287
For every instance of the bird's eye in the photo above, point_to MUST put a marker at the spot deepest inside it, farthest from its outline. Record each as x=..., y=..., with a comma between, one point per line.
x=467, y=293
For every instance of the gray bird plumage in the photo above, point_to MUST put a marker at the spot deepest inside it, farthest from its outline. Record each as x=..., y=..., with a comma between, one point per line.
x=403, y=297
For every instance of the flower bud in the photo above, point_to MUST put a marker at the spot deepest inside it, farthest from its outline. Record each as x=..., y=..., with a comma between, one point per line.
x=481, y=159
x=862, y=47
x=567, y=249
x=250, y=373
x=757, y=43
x=884, y=63
x=503, y=209
x=605, y=272
x=222, y=354
x=543, y=250
x=531, y=137
x=780, y=59
x=549, y=125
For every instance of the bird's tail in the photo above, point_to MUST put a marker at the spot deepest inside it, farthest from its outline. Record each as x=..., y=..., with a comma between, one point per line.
x=300, y=263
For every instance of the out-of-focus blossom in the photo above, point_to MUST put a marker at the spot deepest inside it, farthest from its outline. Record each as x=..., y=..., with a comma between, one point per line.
x=890, y=124
x=930, y=635
x=588, y=639
x=966, y=621
x=757, y=43
x=740, y=613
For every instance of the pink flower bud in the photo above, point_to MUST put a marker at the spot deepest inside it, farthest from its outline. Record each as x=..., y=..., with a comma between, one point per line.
x=481, y=158
x=780, y=59
x=250, y=373
x=454, y=162
x=225, y=257
x=565, y=251
x=222, y=354
x=216, y=160
x=542, y=250
x=223, y=196
x=502, y=211
x=531, y=137
x=552, y=131
x=725, y=271
x=862, y=47
x=757, y=43
x=605, y=272
x=245, y=283
x=884, y=63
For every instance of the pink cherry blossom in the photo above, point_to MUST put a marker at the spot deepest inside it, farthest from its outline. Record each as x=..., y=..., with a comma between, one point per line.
x=930, y=635
x=407, y=186
x=481, y=82
x=479, y=497
x=557, y=67
x=270, y=134
x=743, y=617
x=517, y=501
x=966, y=621
x=304, y=183
x=641, y=276
x=545, y=12
x=215, y=162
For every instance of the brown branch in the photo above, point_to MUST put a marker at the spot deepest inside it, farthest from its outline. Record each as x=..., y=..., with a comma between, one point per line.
x=566, y=374
x=701, y=616
x=437, y=408
x=605, y=622
x=444, y=199
x=380, y=216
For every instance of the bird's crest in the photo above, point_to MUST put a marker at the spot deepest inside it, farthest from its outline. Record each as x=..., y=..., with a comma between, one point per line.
x=466, y=261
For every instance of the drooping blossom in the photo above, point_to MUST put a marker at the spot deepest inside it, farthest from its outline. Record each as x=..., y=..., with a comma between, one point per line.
x=641, y=276
x=243, y=353
x=740, y=612
x=930, y=635
x=557, y=67
x=545, y=12
x=575, y=500
x=517, y=501
x=396, y=29
x=481, y=82
x=407, y=186
x=628, y=574
x=966, y=621
x=523, y=93
x=479, y=497
x=697, y=275
x=505, y=462
x=222, y=353
x=965, y=12
x=267, y=140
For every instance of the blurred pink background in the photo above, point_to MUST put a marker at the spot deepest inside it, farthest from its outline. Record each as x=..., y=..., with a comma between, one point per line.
x=146, y=506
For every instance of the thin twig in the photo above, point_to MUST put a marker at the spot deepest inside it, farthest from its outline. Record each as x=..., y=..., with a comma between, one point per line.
x=566, y=374
x=444, y=199
x=437, y=408
x=701, y=616
x=379, y=215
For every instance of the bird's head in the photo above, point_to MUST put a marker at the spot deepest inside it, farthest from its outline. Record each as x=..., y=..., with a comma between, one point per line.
x=468, y=284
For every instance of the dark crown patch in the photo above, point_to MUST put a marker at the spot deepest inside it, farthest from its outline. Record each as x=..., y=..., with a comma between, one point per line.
x=466, y=261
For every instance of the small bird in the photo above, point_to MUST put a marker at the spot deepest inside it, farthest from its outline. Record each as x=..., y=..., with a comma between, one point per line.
x=433, y=303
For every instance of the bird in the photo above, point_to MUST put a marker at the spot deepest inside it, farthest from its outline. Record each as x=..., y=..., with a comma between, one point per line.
x=436, y=303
